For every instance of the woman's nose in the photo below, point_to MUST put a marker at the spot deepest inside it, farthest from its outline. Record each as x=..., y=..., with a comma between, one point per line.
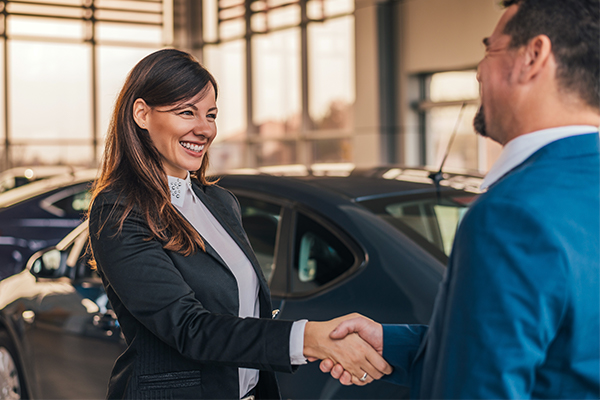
x=204, y=128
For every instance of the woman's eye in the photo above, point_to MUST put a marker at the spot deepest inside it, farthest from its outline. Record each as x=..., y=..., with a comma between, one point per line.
x=211, y=116
x=187, y=113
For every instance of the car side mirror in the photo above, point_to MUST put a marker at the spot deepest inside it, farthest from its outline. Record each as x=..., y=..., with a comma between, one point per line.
x=50, y=263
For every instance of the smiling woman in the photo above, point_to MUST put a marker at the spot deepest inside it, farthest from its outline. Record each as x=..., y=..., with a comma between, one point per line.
x=177, y=266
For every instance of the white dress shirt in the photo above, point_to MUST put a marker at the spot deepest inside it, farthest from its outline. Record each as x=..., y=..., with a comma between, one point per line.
x=186, y=201
x=522, y=147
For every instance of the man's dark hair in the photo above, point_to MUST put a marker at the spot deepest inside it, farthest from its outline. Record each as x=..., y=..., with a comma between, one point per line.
x=573, y=29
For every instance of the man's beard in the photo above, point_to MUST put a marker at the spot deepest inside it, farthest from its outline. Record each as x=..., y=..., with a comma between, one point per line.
x=479, y=123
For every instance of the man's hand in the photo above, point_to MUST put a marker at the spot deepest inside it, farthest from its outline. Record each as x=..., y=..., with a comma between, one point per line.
x=346, y=350
x=367, y=329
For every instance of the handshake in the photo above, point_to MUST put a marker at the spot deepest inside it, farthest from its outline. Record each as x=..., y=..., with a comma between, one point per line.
x=350, y=348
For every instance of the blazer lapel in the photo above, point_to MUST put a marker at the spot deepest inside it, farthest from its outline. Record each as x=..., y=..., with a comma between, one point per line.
x=209, y=249
x=235, y=230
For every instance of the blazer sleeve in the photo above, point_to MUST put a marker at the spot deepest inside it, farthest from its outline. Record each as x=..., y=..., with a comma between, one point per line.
x=152, y=290
x=401, y=343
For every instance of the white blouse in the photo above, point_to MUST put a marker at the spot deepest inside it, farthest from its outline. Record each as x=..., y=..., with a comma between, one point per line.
x=186, y=201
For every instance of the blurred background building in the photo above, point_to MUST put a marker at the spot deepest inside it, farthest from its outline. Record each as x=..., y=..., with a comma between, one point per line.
x=365, y=82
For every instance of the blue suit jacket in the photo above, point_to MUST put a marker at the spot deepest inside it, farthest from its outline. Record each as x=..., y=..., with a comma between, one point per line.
x=517, y=315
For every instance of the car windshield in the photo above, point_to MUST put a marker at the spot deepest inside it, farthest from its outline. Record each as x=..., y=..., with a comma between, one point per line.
x=426, y=217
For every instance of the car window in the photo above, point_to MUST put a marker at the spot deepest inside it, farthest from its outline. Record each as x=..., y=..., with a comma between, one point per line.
x=69, y=203
x=433, y=219
x=261, y=222
x=319, y=256
x=74, y=204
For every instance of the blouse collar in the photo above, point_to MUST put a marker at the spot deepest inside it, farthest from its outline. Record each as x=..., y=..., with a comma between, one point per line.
x=179, y=188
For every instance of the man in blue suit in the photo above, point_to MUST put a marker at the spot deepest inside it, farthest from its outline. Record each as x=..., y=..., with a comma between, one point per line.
x=518, y=312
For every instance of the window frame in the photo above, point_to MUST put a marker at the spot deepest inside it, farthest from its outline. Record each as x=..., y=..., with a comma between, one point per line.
x=280, y=283
x=306, y=137
x=357, y=251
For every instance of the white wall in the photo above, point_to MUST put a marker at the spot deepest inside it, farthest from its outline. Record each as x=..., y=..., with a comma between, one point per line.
x=445, y=34
x=436, y=35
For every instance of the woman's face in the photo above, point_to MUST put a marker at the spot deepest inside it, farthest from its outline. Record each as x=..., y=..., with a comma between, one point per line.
x=182, y=136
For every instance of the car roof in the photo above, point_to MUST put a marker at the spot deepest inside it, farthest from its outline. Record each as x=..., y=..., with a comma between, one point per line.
x=360, y=184
x=37, y=188
x=344, y=179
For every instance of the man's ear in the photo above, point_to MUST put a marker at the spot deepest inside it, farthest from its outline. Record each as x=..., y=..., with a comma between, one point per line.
x=536, y=54
x=140, y=113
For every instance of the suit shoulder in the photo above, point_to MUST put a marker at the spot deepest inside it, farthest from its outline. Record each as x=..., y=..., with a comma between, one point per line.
x=108, y=198
x=547, y=180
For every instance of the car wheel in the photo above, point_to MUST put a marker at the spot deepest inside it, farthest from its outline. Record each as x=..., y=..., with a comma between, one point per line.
x=10, y=380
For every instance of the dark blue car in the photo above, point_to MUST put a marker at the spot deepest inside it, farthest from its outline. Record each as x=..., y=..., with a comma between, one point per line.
x=374, y=241
x=39, y=214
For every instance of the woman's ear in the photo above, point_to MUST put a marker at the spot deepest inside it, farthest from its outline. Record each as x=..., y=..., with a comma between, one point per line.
x=140, y=113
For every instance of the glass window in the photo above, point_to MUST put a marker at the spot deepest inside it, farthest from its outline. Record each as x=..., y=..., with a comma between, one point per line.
x=441, y=104
x=276, y=83
x=227, y=63
x=282, y=84
x=261, y=222
x=50, y=96
x=107, y=31
x=45, y=27
x=332, y=150
x=337, y=7
x=209, y=20
x=285, y=16
x=435, y=220
x=2, y=108
x=457, y=85
x=331, y=73
x=274, y=152
x=319, y=256
x=63, y=154
x=70, y=203
x=227, y=155
x=50, y=72
x=235, y=28
x=42, y=9
x=259, y=22
x=464, y=152
x=114, y=63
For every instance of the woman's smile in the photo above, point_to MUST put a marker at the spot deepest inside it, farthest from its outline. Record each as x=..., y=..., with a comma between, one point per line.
x=193, y=148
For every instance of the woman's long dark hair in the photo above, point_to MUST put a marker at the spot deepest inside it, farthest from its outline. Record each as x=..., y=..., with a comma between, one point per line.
x=132, y=166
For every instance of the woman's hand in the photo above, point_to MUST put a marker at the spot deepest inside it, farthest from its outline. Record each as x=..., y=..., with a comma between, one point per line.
x=355, y=355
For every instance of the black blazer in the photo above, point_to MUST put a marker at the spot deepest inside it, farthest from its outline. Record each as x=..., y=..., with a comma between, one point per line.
x=179, y=314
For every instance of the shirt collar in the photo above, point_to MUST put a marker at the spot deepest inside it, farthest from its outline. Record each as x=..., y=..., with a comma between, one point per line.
x=179, y=188
x=520, y=148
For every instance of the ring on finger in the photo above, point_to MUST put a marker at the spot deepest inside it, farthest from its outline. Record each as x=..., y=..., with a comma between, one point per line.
x=364, y=377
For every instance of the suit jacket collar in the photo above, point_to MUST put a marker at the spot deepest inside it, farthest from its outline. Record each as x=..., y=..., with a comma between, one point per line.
x=521, y=148
x=567, y=146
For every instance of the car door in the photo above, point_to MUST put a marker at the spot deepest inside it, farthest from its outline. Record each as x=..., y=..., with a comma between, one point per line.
x=72, y=332
x=309, y=263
